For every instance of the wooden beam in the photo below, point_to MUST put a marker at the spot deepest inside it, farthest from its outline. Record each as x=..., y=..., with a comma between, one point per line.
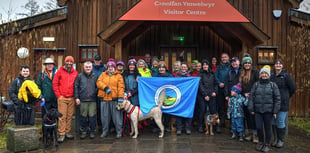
x=118, y=31
x=118, y=50
x=46, y=22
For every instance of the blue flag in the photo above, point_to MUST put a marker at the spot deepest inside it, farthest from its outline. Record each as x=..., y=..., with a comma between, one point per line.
x=180, y=94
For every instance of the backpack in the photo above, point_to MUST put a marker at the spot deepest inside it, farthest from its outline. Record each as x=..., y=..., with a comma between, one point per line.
x=256, y=86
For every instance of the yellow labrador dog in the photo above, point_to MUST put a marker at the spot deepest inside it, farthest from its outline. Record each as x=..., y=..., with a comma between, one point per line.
x=136, y=115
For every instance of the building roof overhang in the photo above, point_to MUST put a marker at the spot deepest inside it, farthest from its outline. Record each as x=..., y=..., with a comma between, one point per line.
x=233, y=26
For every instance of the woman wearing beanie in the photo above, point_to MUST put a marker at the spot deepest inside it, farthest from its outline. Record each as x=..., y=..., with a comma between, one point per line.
x=248, y=76
x=206, y=93
x=110, y=92
x=264, y=104
x=155, y=62
x=130, y=79
x=287, y=88
x=180, y=120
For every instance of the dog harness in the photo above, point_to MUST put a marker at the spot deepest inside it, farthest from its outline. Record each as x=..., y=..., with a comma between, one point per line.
x=130, y=109
x=208, y=119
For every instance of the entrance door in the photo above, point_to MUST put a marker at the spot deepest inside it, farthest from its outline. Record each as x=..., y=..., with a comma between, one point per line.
x=171, y=54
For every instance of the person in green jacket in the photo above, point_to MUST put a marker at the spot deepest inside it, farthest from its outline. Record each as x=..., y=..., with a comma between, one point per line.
x=45, y=84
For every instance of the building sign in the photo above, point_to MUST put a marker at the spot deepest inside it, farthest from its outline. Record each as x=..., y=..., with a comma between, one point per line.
x=184, y=10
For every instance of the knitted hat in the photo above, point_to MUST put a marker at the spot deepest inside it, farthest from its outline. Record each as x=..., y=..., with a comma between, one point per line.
x=162, y=64
x=111, y=62
x=237, y=88
x=120, y=63
x=132, y=61
x=205, y=61
x=246, y=59
x=266, y=69
x=195, y=61
x=69, y=58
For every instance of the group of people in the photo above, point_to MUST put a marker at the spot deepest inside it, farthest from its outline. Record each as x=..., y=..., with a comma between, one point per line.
x=233, y=89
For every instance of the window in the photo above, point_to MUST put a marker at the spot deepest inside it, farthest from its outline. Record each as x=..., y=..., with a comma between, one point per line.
x=266, y=54
x=88, y=52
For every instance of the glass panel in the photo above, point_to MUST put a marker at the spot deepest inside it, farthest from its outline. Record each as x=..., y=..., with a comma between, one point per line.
x=173, y=58
x=95, y=52
x=84, y=54
x=260, y=56
x=167, y=60
x=90, y=54
x=189, y=58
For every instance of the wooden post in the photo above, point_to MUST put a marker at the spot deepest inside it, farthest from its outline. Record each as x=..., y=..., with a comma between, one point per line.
x=118, y=50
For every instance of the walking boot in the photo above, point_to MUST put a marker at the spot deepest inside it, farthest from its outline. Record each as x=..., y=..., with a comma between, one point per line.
x=218, y=128
x=241, y=136
x=92, y=135
x=281, y=134
x=266, y=148
x=249, y=137
x=275, y=135
x=255, y=138
x=83, y=135
x=259, y=146
x=233, y=135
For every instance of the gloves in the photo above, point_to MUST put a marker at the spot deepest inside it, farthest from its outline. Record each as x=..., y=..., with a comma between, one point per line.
x=107, y=90
x=42, y=103
x=120, y=100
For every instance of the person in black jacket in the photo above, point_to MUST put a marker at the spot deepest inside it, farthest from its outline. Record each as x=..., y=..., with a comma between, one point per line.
x=233, y=76
x=264, y=103
x=23, y=111
x=248, y=76
x=206, y=93
x=85, y=94
x=287, y=88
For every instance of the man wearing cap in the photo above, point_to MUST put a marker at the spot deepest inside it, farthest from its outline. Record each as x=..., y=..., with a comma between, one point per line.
x=233, y=76
x=63, y=86
x=98, y=66
x=45, y=84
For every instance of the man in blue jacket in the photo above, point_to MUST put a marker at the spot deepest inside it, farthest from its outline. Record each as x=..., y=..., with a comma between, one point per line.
x=221, y=76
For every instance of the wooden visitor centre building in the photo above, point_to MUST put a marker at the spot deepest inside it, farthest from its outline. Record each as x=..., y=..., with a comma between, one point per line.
x=266, y=29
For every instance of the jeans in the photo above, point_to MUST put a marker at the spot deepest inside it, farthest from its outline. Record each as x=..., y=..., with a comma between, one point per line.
x=263, y=123
x=237, y=124
x=280, y=121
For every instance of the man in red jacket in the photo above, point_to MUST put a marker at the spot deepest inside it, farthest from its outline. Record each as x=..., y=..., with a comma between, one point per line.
x=63, y=86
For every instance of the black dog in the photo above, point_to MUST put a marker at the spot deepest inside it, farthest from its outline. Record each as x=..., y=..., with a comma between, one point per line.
x=49, y=127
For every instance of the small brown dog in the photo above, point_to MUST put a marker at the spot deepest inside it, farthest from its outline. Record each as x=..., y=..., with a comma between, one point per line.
x=211, y=120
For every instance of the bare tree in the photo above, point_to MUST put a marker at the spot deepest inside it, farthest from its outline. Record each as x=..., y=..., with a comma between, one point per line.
x=32, y=8
x=51, y=5
x=8, y=13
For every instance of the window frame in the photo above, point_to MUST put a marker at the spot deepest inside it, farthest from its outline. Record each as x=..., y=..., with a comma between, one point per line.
x=266, y=54
x=93, y=48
